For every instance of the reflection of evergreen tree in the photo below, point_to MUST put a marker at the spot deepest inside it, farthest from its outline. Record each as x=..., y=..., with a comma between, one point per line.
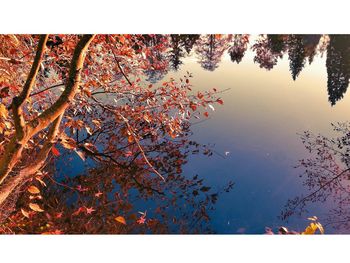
x=310, y=43
x=277, y=43
x=296, y=54
x=338, y=66
x=301, y=47
x=176, y=52
x=189, y=41
x=210, y=49
x=239, y=47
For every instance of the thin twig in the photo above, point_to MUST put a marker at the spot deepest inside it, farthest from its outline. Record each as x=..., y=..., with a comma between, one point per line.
x=117, y=61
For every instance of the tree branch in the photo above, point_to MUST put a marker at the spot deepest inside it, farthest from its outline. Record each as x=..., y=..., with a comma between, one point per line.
x=34, y=166
x=71, y=88
x=118, y=64
x=18, y=102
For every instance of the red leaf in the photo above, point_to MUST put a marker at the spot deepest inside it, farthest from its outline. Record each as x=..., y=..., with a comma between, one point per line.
x=193, y=107
x=55, y=151
x=206, y=114
x=220, y=101
x=141, y=220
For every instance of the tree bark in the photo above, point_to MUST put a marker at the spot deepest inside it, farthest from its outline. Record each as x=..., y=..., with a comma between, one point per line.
x=54, y=114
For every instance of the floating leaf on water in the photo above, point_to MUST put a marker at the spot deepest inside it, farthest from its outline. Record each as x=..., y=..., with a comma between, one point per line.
x=120, y=219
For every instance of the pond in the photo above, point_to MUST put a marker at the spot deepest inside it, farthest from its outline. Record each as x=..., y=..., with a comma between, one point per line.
x=270, y=98
x=274, y=89
x=276, y=146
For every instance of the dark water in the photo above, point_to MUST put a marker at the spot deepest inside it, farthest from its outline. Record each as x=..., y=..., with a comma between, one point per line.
x=279, y=89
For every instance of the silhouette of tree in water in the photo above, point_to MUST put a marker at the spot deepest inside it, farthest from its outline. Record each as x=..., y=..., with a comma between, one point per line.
x=116, y=189
x=326, y=175
x=338, y=66
x=189, y=41
x=311, y=43
x=210, y=48
x=301, y=47
x=296, y=54
x=268, y=50
x=177, y=52
x=238, y=48
x=180, y=45
x=158, y=65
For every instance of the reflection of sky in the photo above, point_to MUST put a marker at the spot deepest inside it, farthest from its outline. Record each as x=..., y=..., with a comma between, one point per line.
x=258, y=124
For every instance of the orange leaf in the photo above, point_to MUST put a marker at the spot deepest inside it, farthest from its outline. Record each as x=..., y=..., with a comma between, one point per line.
x=3, y=111
x=55, y=151
x=120, y=219
x=33, y=190
x=206, y=114
x=130, y=138
x=25, y=213
x=35, y=207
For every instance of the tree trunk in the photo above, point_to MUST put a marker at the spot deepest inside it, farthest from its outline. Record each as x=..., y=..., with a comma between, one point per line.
x=54, y=114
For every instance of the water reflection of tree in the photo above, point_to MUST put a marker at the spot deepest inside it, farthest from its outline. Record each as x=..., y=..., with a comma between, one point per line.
x=269, y=49
x=180, y=45
x=132, y=153
x=238, y=48
x=301, y=47
x=158, y=64
x=210, y=48
x=90, y=202
x=326, y=175
x=338, y=66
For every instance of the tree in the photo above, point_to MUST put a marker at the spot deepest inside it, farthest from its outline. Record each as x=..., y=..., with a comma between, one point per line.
x=158, y=64
x=180, y=45
x=107, y=113
x=297, y=55
x=326, y=175
x=338, y=67
x=268, y=50
x=52, y=116
x=210, y=48
x=238, y=48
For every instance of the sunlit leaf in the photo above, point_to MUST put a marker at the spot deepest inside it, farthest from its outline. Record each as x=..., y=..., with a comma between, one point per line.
x=33, y=189
x=35, y=207
x=120, y=219
x=211, y=107
x=3, y=111
x=25, y=213
x=320, y=227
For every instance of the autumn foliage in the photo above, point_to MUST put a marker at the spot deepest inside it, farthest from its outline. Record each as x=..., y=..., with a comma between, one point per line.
x=97, y=98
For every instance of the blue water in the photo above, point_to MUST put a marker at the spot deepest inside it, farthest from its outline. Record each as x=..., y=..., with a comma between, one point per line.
x=255, y=139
